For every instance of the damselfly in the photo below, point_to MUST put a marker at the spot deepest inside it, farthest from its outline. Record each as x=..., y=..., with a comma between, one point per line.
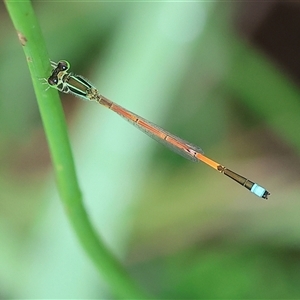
x=70, y=83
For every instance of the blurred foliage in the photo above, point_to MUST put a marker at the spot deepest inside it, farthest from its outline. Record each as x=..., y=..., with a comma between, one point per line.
x=183, y=230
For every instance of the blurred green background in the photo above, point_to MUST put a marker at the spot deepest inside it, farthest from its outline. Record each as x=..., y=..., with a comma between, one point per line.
x=224, y=76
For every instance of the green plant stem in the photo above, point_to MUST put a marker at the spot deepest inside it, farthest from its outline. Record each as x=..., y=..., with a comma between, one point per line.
x=31, y=38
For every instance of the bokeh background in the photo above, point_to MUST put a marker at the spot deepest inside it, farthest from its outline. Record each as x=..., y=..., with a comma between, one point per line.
x=222, y=75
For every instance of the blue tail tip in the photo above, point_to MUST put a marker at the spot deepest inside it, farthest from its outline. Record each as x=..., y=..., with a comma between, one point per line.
x=260, y=191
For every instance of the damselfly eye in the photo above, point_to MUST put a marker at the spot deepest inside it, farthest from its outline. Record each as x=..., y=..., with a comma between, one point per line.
x=52, y=80
x=63, y=65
